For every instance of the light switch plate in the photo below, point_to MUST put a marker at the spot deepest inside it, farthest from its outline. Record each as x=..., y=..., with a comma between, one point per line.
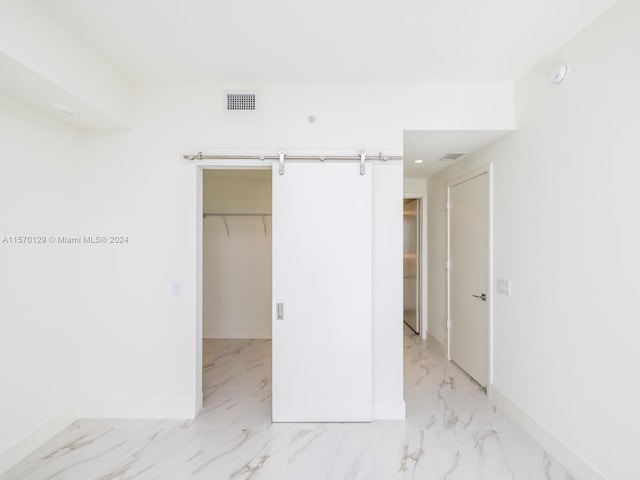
x=504, y=286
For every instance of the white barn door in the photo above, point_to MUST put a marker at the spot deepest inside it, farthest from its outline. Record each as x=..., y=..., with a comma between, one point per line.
x=322, y=329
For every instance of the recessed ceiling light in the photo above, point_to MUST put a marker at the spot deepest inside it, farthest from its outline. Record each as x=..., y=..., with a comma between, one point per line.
x=63, y=109
x=418, y=161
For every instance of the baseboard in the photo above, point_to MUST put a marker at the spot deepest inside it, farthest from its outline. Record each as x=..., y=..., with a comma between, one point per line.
x=216, y=332
x=23, y=447
x=199, y=402
x=575, y=465
x=389, y=410
x=179, y=408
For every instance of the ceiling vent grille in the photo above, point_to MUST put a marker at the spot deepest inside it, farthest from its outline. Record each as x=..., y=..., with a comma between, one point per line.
x=240, y=102
x=450, y=157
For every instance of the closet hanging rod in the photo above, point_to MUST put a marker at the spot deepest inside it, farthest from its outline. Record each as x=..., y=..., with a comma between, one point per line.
x=201, y=156
x=225, y=215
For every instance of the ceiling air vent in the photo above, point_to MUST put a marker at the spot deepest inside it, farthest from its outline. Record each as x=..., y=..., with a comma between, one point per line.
x=240, y=102
x=450, y=157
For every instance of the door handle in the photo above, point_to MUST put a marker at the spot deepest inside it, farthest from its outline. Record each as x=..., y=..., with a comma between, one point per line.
x=482, y=296
x=279, y=311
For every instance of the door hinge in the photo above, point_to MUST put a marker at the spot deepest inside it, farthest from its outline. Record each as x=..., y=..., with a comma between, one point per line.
x=448, y=323
x=447, y=205
x=447, y=264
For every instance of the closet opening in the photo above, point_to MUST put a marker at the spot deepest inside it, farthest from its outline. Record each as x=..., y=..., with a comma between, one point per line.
x=236, y=295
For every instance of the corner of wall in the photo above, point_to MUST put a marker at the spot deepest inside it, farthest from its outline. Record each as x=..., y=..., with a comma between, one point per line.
x=35, y=439
x=577, y=466
x=141, y=408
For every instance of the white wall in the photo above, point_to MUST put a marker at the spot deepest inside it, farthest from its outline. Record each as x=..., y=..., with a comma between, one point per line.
x=38, y=305
x=237, y=263
x=566, y=235
x=54, y=60
x=437, y=254
x=415, y=186
x=138, y=342
x=388, y=400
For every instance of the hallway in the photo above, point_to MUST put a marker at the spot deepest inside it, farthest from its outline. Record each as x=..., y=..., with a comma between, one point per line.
x=452, y=431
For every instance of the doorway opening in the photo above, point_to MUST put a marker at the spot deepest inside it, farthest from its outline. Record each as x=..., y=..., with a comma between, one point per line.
x=412, y=263
x=236, y=292
x=323, y=222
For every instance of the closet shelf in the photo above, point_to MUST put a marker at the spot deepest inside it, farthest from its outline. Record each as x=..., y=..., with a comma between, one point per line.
x=233, y=214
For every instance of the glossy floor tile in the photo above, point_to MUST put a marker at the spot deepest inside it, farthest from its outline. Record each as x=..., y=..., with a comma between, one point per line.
x=452, y=431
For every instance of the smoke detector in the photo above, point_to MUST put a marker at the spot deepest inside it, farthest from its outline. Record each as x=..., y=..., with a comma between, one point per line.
x=559, y=74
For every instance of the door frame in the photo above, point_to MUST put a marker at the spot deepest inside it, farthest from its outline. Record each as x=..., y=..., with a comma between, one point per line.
x=488, y=170
x=199, y=200
x=422, y=200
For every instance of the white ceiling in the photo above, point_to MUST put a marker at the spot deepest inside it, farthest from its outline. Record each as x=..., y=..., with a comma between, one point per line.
x=430, y=146
x=337, y=41
x=325, y=41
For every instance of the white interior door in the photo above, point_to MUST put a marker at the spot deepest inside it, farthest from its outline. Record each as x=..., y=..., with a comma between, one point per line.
x=322, y=352
x=468, y=252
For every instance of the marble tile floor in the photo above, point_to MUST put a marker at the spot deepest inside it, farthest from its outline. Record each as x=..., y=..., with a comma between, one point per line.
x=452, y=431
